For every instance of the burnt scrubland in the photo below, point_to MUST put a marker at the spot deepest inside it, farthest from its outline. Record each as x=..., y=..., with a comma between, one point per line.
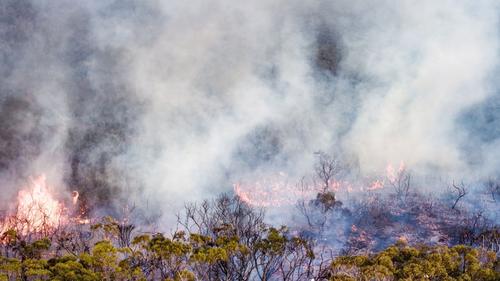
x=249, y=140
x=395, y=234
x=225, y=239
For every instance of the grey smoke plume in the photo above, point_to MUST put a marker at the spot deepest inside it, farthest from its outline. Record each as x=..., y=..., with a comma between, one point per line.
x=162, y=102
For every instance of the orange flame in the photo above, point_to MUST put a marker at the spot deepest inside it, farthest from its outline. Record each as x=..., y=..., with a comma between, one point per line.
x=392, y=174
x=377, y=184
x=277, y=190
x=38, y=211
x=74, y=197
x=270, y=191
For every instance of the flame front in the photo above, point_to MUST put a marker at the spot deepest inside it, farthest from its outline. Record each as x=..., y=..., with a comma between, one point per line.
x=275, y=190
x=37, y=210
x=271, y=191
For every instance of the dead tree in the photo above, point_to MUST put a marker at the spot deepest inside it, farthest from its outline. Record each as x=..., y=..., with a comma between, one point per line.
x=477, y=230
x=315, y=210
x=401, y=182
x=73, y=239
x=326, y=169
x=304, y=207
x=493, y=188
x=460, y=192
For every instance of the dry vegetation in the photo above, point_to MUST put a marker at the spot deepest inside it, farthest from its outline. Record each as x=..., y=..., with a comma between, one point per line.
x=225, y=239
x=395, y=234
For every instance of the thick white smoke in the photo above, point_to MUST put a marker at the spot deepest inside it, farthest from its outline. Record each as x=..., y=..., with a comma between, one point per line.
x=427, y=63
x=170, y=101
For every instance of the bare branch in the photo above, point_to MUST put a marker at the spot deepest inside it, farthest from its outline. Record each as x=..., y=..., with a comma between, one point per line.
x=493, y=188
x=460, y=193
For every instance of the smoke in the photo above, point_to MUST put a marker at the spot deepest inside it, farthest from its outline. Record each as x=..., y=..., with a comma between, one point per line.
x=431, y=64
x=160, y=102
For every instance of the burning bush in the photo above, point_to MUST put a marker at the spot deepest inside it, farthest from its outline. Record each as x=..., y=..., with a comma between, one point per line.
x=37, y=213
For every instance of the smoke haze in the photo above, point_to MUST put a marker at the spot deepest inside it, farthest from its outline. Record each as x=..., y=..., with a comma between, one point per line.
x=161, y=102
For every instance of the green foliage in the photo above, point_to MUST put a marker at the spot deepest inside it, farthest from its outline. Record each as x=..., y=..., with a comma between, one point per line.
x=9, y=268
x=71, y=269
x=36, y=269
x=401, y=262
x=226, y=241
x=187, y=257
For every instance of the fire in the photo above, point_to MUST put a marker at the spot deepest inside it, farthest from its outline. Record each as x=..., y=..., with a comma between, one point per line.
x=74, y=197
x=271, y=191
x=278, y=190
x=392, y=173
x=38, y=207
x=376, y=184
x=37, y=211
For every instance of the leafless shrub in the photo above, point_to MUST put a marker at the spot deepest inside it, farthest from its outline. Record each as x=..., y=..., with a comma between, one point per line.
x=460, y=191
x=325, y=171
x=476, y=230
x=490, y=239
x=327, y=168
x=73, y=239
x=375, y=215
x=493, y=188
x=401, y=183
x=317, y=211
x=315, y=220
